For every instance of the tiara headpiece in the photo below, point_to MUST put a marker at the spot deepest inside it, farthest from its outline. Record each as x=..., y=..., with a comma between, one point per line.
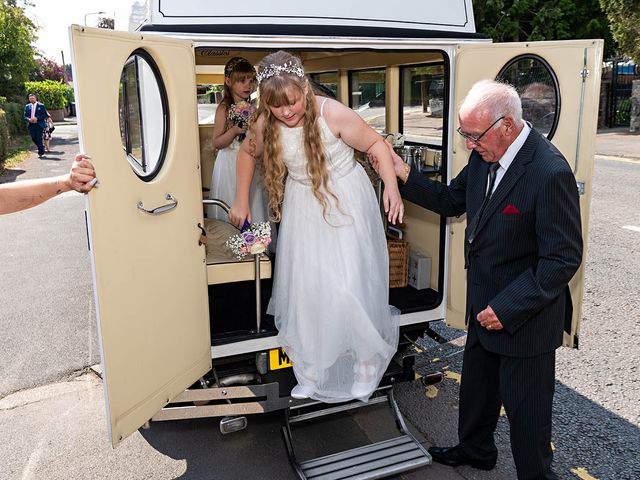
x=273, y=70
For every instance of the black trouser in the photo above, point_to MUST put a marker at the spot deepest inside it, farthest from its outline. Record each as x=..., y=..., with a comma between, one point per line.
x=35, y=131
x=525, y=387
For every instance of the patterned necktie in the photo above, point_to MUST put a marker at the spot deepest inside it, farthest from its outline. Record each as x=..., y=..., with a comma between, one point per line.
x=473, y=226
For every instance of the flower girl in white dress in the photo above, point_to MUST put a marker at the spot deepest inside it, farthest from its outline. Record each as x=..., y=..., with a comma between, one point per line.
x=330, y=292
x=231, y=122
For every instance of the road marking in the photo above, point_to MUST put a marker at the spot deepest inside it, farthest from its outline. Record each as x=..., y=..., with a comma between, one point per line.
x=583, y=474
x=632, y=228
x=617, y=159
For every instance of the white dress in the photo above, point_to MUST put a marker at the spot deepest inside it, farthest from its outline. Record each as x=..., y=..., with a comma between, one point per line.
x=223, y=186
x=330, y=292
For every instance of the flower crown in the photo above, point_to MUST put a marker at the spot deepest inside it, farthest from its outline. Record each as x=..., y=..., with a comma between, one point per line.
x=273, y=70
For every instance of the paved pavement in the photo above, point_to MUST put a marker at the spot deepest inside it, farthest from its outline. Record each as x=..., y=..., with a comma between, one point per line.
x=57, y=431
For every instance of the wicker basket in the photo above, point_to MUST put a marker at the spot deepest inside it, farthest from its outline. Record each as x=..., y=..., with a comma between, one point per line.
x=398, y=262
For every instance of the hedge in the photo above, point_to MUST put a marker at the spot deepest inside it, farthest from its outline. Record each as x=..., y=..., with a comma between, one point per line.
x=4, y=137
x=54, y=95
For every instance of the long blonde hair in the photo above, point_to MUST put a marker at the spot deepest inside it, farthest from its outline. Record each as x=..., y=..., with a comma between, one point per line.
x=274, y=92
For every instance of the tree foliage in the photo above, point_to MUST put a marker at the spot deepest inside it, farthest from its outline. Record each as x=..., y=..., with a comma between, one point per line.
x=624, y=19
x=17, y=34
x=533, y=20
x=105, y=22
x=47, y=70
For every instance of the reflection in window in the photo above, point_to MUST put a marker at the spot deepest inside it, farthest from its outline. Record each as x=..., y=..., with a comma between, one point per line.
x=142, y=114
x=538, y=88
x=423, y=103
x=327, y=81
x=367, y=89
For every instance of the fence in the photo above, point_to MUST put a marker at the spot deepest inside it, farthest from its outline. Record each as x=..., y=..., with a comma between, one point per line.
x=615, y=93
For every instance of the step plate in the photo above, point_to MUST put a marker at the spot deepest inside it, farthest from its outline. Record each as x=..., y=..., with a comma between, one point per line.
x=377, y=460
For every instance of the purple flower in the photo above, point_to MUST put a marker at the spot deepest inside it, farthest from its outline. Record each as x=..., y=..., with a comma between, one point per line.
x=249, y=238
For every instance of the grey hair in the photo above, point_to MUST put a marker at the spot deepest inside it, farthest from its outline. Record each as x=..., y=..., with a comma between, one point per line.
x=495, y=99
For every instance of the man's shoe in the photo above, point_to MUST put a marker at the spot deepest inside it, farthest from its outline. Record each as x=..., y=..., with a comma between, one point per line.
x=454, y=457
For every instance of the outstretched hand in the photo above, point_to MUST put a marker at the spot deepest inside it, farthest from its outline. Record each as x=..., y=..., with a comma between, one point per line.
x=82, y=176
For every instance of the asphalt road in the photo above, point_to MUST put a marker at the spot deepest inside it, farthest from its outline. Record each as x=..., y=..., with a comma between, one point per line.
x=58, y=431
x=48, y=320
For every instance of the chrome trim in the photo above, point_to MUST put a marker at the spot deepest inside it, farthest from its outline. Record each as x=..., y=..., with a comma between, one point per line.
x=161, y=209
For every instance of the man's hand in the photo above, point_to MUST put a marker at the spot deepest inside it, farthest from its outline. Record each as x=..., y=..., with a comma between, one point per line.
x=489, y=320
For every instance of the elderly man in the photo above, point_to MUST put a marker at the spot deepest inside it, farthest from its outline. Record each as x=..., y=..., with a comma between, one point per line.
x=523, y=244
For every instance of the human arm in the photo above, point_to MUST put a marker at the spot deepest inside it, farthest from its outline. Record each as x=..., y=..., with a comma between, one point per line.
x=350, y=127
x=29, y=193
x=250, y=149
x=222, y=138
x=448, y=200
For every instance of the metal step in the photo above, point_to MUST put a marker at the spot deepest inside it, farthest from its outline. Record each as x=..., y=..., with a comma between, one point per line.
x=377, y=460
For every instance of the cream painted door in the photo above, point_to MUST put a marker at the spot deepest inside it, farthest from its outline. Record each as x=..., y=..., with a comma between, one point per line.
x=576, y=65
x=149, y=271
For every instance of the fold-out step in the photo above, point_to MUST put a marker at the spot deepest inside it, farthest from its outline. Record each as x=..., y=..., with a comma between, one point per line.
x=377, y=460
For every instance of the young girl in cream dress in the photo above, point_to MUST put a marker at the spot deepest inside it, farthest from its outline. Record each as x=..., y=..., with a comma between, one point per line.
x=330, y=292
x=239, y=82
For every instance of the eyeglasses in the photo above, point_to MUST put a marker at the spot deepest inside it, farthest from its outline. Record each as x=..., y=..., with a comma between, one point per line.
x=476, y=140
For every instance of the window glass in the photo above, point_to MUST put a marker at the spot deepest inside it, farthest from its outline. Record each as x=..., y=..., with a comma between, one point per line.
x=423, y=103
x=368, y=90
x=537, y=85
x=328, y=80
x=142, y=114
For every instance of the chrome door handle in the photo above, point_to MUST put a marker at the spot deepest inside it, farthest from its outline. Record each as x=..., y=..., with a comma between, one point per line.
x=162, y=208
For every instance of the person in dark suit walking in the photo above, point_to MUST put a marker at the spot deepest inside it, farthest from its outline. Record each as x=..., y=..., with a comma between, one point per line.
x=523, y=244
x=35, y=114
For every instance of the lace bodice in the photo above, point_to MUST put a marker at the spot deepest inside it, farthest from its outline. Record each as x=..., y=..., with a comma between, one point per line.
x=340, y=156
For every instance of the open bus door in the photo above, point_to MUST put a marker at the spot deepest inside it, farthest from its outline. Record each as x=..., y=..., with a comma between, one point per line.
x=134, y=93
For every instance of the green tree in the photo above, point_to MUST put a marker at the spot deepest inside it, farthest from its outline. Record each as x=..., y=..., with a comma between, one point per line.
x=533, y=20
x=17, y=55
x=105, y=22
x=624, y=19
x=47, y=70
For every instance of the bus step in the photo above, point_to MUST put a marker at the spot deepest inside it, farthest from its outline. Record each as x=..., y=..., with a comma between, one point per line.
x=377, y=460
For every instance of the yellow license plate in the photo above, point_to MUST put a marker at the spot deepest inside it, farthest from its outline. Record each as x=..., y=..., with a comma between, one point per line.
x=278, y=359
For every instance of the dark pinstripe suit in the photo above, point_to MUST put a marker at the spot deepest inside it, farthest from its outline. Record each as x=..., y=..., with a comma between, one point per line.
x=520, y=265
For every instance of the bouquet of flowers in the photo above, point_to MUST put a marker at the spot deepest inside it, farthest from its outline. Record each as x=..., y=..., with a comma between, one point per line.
x=240, y=113
x=253, y=239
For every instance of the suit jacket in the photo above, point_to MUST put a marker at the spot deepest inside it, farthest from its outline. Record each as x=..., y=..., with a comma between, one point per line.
x=41, y=114
x=527, y=247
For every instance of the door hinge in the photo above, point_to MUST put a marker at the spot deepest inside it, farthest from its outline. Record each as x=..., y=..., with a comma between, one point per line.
x=584, y=73
x=581, y=188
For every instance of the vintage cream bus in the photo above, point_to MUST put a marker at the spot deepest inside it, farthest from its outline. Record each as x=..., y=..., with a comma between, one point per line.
x=182, y=325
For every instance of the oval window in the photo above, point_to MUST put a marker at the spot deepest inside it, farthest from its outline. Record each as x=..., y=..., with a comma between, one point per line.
x=144, y=122
x=538, y=87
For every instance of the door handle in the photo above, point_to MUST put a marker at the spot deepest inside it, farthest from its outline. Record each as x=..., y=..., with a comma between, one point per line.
x=161, y=209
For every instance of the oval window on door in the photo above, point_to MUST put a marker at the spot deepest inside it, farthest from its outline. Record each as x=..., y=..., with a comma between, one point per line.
x=144, y=120
x=538, y=87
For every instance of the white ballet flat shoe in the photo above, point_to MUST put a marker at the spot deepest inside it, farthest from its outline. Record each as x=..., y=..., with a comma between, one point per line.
x=299, y=392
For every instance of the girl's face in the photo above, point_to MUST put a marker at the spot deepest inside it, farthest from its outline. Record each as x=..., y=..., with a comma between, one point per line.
x=241, y=85
x=291, y=114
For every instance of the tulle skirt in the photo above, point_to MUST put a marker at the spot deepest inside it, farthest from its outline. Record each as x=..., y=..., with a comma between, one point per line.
x=330, y=293
x=223, y=187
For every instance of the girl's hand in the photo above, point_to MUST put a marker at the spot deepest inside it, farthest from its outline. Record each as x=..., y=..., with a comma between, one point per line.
x=237, y=130
x=239, y=212
x=393, y=205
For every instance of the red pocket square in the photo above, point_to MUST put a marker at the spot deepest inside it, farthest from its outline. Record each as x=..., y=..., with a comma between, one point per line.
x=511, y=209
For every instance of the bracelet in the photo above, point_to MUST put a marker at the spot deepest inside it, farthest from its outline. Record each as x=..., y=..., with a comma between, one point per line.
x=407, y=169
